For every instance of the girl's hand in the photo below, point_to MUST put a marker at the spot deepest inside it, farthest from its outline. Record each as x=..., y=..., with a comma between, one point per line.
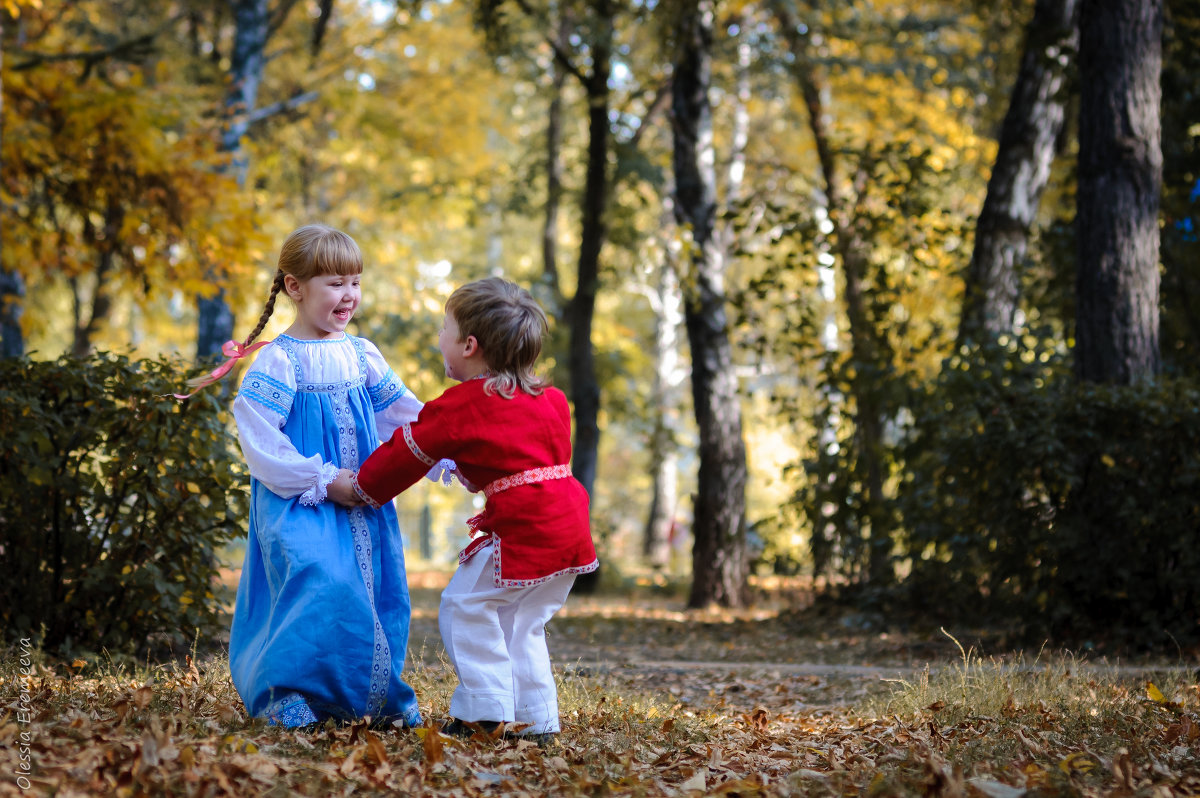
x=342, y=491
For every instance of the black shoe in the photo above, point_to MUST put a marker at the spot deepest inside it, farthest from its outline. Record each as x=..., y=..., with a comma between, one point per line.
x=469, y=728
x=543, y=739
x=388, y=724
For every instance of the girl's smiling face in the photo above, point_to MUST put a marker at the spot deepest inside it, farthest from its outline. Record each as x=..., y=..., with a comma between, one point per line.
x=325, y=304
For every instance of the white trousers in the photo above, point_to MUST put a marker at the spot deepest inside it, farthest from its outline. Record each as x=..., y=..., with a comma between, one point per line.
x=496, y=640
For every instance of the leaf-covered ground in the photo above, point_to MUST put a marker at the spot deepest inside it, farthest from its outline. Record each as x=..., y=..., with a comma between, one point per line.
x=655, y=701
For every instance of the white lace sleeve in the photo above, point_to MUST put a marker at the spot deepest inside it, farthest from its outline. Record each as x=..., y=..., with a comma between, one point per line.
x=392, y=401
x=443, y=472
x=261, y=407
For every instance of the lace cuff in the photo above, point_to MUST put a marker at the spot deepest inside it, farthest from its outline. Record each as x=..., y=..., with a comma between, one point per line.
x=443, y=472
x=316, y=494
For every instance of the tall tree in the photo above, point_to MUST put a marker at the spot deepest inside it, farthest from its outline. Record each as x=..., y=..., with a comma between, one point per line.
x=1031, y=127
x=587, y=57
x=869, y=348
x=251, y=29
x=720, y=560
x=1120, y=181
x=585, y=388
x=665, y=300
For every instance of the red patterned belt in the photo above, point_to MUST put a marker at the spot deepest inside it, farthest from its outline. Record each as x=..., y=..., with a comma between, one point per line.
x=529, y=477
x=526, y=478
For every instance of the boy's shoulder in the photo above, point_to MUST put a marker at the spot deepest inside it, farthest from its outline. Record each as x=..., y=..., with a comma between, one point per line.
x=554, y=395
x=475, y=390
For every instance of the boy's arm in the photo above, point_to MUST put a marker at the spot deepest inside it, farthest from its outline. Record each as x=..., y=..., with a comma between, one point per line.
x=398, y=463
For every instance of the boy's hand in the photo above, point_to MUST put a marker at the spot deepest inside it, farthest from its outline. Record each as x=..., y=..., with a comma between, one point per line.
x=342, y=491
x=466, y=483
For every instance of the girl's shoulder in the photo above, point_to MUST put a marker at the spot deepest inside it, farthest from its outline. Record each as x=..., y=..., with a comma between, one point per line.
x=367, y=344
x=273, y=361
x=377, y=365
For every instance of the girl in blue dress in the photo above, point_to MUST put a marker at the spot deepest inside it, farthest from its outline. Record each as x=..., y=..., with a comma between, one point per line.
x=320, y=627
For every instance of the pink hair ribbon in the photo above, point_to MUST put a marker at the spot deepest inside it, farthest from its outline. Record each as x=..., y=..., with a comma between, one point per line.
x=234, y=352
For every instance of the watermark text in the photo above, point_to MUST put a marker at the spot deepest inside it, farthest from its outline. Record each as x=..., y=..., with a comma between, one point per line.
x=24, y=767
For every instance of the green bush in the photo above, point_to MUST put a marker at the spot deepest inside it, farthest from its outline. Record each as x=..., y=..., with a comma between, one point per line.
x=114, y=501
x=1068, y=509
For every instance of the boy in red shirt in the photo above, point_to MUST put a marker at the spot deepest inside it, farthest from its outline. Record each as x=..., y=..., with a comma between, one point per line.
x=511, y=434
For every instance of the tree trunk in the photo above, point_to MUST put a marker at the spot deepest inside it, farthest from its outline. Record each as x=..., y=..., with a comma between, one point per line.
x=252, y=27
x=719, y=556
x=581, y=361
x=12, y=301
x=868, y=348
x=12, y=284
x=82, y=344
x=1026, y=150
x=1120, y=180
x=869, y=353
x=665, y=300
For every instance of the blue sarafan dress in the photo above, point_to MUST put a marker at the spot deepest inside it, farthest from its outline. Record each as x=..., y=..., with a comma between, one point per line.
x=320, y=627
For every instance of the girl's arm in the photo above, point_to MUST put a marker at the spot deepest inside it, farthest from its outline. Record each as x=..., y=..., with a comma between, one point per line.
x=261, y=407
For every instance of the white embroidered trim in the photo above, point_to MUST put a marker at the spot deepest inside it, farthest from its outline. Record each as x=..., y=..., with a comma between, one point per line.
x=416, y=450
x=362, y=494
x=317, y=493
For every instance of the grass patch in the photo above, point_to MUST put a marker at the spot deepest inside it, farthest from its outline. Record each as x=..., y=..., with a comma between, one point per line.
x=1057, y=725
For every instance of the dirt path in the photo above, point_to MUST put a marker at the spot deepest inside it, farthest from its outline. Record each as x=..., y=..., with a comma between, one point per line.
x=736, y=661
x=769, y=656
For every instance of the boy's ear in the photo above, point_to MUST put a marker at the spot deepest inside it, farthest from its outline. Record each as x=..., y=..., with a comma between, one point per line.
x=470, y=346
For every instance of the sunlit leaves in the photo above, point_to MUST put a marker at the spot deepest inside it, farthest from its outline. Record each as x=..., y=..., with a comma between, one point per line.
x=112, y=171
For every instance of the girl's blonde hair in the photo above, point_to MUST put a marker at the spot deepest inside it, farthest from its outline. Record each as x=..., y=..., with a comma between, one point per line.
x=508, y=324
x=308, y=252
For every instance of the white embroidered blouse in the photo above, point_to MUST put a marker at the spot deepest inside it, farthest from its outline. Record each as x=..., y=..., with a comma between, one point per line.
x=264, y=401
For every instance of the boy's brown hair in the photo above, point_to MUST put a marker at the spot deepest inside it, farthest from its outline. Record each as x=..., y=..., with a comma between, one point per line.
x=508, y=324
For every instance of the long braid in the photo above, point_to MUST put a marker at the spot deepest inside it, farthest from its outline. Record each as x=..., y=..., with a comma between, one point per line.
x=268, y=309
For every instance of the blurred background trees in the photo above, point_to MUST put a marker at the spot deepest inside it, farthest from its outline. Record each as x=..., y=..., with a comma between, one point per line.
x=888, y=232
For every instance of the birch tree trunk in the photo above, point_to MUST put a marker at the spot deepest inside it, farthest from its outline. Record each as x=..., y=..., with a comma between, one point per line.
x=1033, y=122
x=1120, y=181
x=719, y=555
x=252, y=28
x=868, y=348
x=666, y=302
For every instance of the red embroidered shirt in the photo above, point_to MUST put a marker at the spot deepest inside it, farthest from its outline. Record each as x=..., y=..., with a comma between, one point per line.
x=537, y=523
